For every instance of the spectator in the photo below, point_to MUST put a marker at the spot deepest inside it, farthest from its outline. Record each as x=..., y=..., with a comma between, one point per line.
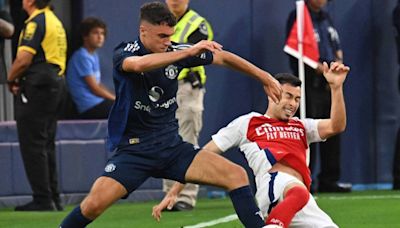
x=36, y=79
x=318, y=94
x=191, y=90
x=92, y=99
x=6, y=32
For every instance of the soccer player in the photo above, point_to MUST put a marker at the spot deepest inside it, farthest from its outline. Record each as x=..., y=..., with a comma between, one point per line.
x=275, y=147
x=142, y=126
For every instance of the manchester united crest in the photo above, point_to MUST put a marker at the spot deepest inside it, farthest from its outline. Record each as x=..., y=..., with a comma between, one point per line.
x=171, y=72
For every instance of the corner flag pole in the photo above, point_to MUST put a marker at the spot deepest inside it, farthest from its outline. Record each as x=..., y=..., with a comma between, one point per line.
x=300, y=38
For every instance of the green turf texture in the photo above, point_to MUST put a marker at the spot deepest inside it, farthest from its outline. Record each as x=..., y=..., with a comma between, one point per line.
x=358, y=209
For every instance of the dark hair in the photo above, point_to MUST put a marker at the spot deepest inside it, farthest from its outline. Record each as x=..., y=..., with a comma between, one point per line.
x=90, y=23
x=157, y=13
x=40, y=4
x=286, y=78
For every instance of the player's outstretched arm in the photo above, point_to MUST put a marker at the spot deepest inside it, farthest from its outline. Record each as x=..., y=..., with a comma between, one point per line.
x=168, y=201
x=156, y=60
x=271, y=85
x=335, y=75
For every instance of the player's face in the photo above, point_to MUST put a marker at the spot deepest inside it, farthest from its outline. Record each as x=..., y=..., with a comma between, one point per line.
x=289, y=103
x=95, y=38
x=156, y=38
x=177, y=7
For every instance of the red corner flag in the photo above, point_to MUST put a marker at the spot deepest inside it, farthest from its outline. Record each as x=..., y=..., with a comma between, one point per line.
x=310, y=46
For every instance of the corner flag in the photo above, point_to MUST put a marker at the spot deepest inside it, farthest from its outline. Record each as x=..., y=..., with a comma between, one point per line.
x=306, y=36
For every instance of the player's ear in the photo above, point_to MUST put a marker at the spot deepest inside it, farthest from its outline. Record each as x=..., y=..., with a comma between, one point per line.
x=142, y=29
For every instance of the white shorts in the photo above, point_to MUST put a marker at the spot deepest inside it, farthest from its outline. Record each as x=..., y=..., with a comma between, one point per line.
x=270, y=189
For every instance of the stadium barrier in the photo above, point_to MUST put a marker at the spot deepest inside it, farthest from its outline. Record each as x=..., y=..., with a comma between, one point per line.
x=81, y=156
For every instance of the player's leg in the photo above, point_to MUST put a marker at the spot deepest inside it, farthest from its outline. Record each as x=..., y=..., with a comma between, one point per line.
x=105, y=191
x=312, y=216
x=123, y=174
x=280, y=196
x=295, y=197
x=213, y=169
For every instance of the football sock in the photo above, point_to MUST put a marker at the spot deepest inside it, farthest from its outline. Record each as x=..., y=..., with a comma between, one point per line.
x=246, y=208
x=296, y=198
x=75, y=219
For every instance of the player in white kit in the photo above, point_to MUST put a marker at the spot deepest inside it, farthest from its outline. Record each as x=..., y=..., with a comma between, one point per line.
x=275, y=147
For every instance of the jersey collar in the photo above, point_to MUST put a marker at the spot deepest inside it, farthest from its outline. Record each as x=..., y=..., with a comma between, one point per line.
x=142, y=50
x=37, y=12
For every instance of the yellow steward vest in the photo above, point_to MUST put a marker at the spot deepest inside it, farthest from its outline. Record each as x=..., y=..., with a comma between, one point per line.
x=189, y=23
x=54, y=41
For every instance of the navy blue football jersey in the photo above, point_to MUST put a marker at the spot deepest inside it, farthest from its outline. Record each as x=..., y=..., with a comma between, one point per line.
x=145, y=105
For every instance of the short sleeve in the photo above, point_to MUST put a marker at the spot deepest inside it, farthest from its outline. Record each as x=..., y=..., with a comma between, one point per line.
x=32, y=35
x=311, y=126
x=84, y=66
x=122, y=51
x=232, y=135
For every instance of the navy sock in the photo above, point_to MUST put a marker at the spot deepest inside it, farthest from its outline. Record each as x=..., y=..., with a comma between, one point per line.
x=246, y=208
x=75, y=219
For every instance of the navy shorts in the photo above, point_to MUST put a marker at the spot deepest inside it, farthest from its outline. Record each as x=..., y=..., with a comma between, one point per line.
x=131, y=168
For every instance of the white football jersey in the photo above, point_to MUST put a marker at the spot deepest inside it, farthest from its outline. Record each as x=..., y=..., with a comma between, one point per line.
x=264, y=141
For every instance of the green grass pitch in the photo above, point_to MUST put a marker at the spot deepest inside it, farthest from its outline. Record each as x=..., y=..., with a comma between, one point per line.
x=370, y=209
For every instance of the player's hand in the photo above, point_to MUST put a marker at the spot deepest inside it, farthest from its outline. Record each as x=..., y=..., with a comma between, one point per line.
x=273, y=89
x=205, y=45
x=335, y=74
x=168, y=202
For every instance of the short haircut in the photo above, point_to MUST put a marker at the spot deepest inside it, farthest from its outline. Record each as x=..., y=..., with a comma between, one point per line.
x=90, y=23
x=286, y=78
x=157, y=13
x=40, y=4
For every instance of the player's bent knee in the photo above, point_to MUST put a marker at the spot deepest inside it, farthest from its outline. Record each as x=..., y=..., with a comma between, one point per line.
x=91, y=207
x=236, y=177
x=300, y=193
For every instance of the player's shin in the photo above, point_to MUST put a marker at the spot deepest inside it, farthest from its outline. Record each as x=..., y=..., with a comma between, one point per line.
x=296, y=198
x=246, y=208
x=75, y=219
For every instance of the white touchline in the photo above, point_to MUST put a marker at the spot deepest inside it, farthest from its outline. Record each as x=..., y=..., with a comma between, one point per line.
x=214, y=222
x=358, y=197
x=234, y=216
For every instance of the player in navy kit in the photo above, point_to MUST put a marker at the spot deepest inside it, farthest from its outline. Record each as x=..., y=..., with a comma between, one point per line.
x=142, y=126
